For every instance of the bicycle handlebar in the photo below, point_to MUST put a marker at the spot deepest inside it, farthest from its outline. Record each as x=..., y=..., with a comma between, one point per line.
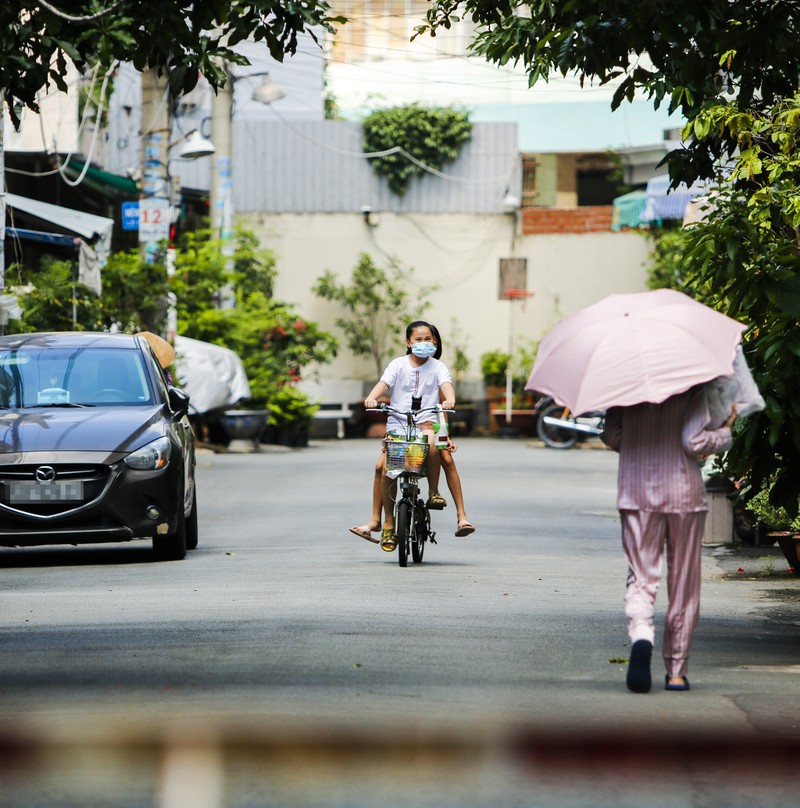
x=406, y=413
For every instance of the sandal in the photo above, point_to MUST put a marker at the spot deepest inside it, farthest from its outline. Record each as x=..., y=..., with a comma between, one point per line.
x=464, y=528
x=436, y=502
x=388, y=540
x=364, y=533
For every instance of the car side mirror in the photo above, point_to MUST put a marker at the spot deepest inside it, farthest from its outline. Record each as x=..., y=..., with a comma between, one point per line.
x=178, y=401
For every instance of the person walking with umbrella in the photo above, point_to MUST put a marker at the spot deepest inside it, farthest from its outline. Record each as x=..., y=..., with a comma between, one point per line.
x=645, y=358
x=662, y=503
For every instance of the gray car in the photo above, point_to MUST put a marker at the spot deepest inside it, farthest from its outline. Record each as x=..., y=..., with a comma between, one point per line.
x=95, y=444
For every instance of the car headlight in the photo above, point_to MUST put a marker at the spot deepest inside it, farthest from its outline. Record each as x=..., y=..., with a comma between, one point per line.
x=151, y=457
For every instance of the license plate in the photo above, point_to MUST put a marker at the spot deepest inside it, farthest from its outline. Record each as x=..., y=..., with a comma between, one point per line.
x=28, y=492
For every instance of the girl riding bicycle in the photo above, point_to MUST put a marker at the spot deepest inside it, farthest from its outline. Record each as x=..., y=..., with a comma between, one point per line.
x=416, y=378
x=435, y=501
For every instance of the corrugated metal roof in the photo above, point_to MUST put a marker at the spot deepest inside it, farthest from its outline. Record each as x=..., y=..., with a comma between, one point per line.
x=319, y=167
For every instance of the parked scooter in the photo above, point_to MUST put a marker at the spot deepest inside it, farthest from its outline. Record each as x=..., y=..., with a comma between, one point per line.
x=559, y=429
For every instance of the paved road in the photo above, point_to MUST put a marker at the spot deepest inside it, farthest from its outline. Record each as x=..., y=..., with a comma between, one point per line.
x=288, y=662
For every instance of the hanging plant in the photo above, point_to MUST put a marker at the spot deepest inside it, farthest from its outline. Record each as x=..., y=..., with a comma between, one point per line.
x=432, y=136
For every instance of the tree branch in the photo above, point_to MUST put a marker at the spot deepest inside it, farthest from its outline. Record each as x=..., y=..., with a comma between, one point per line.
x=89, y=18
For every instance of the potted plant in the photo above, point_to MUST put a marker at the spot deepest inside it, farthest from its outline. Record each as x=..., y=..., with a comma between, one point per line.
x=778, y=525
x=523, y=364
x=290, y=414
x=493, y=368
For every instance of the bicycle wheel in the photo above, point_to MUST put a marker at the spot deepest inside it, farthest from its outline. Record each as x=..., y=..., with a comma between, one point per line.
x=420, y=532
x=555, y=437
x=402, y=531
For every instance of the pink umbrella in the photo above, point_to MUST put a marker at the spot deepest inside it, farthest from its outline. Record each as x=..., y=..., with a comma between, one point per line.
x=628, y=349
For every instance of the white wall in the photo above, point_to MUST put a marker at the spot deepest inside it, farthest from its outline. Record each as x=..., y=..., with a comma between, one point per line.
x=55, y=128
x=461, y=254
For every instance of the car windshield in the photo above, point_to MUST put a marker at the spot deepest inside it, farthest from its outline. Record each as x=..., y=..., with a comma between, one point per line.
x=72, y=377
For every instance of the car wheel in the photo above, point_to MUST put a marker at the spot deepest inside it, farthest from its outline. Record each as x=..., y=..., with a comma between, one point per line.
x=172, y=547
x=191, y=525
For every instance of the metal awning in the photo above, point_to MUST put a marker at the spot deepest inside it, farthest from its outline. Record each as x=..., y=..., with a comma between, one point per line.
x=627, y=209
x=76, y=221
x=654, y=205
x=663, y=202
x=113, y=186
x=46, y=238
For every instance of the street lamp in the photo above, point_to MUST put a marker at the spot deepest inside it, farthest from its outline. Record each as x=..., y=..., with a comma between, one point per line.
x=195, y=146
x=267, y=91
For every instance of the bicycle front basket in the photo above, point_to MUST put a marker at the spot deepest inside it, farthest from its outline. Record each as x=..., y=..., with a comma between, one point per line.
x=401, y=455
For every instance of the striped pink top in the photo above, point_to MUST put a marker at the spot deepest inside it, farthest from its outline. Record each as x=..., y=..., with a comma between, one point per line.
x=658, y=447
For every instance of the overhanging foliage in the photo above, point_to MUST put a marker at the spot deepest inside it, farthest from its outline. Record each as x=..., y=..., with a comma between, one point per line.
x=685, y=53
x=744, y=259
x=184, y=36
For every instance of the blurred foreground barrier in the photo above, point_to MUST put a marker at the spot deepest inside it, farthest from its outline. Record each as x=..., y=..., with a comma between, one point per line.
x=200, y=766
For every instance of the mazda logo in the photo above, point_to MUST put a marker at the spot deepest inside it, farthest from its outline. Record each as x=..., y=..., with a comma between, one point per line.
x=45, y=474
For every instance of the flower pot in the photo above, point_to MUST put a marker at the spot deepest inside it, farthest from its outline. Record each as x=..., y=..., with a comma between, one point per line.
x=762, y=536
x=245, y=426
x=294, y=438
x=790, y=545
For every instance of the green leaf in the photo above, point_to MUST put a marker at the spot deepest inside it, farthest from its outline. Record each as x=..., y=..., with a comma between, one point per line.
x=428, y=137
x=785, y=296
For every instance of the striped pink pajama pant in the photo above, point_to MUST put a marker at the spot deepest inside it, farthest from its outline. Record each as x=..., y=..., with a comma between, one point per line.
x=644, y=536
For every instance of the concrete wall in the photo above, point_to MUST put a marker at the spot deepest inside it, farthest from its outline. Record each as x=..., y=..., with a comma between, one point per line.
x=460, y=253
x=54, y=129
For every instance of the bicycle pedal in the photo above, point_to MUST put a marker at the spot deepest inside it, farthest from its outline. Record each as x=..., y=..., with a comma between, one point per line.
x=432, y=538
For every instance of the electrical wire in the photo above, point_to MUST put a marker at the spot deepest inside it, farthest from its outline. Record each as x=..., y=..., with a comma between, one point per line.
x=386, y=152
x=474, y=263
x=369, y=22
x=93, y=145
x=59, y=167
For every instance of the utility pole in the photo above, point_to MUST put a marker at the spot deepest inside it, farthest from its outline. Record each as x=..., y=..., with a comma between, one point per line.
x=3, y=316
x=221, y=186
x=154, y=197
x=2, y=196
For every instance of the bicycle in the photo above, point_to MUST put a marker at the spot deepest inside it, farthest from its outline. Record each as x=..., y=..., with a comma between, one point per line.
x=406, y=462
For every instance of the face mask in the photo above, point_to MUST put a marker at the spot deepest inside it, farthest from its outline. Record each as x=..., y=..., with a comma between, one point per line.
x=423, y=349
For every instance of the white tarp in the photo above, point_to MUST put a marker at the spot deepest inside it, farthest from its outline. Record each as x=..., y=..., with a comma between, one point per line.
x=213, y=376
x=84, y=224
x=95, y=229
x=9, y=309
x=739, y=388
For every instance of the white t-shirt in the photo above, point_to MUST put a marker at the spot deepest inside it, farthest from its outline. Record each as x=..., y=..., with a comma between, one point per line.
x=406, y=380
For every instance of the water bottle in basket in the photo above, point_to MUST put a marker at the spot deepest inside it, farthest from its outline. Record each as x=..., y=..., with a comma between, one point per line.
x=440, y=429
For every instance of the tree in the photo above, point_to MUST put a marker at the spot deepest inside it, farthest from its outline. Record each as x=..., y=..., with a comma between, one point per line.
x=744, y=259
x=667, y=269
x=200, y=273
x=186, y=37
x=275, y=343
x=378, y=306
x=133, y=298
x=51, y=300
x=134, y=293
x=687, y=53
